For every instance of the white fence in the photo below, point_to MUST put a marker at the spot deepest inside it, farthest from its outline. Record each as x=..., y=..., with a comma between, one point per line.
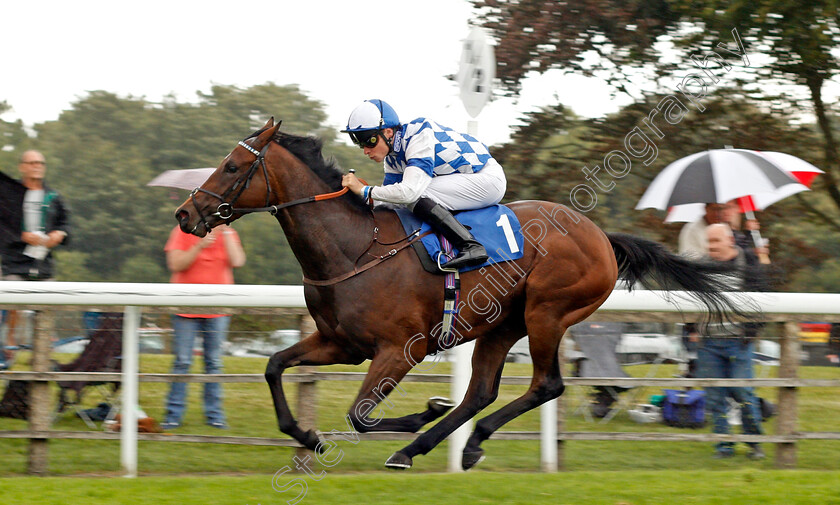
x=621, y=306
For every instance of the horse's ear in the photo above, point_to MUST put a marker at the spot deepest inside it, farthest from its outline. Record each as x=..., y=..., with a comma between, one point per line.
x=268, y=124
x=276, y=128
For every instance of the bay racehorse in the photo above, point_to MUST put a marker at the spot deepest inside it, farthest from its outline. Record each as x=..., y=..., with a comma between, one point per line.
x=372, y=300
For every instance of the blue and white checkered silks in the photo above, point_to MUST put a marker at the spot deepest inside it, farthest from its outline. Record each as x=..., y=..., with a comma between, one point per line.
x=435, y=149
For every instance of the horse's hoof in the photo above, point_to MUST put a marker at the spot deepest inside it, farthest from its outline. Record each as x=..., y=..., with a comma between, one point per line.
x=471, y=458
x=440, y=405
x=398, y=461
x=314, y=440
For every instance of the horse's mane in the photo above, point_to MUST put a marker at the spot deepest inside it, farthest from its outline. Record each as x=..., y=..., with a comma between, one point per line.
x=308, y=150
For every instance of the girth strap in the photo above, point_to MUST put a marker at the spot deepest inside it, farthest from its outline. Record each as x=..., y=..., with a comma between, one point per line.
x=451, y=293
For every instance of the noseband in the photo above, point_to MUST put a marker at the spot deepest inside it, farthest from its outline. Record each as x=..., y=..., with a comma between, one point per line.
x=226, y=210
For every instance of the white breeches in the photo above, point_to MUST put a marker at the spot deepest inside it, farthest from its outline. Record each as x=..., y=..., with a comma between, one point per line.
x=469, y=191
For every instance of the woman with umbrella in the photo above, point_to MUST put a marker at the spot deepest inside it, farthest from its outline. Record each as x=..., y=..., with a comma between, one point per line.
x=744, y=229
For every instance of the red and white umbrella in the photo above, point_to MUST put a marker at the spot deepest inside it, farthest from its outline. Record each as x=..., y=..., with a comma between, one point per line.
x=716, y=175
x=800, y=169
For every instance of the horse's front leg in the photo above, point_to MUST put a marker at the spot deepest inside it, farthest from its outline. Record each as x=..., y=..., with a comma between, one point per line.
x=488, y=360
x=312, y=350
x=387, y=369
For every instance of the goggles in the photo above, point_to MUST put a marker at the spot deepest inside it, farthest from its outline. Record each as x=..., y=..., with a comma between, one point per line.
x=368, y=138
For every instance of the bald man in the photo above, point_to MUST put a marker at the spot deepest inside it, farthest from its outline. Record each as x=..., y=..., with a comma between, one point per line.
x=721, y=242
x=726, y=352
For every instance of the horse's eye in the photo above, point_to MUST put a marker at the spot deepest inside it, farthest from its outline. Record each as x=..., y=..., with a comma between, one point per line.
x=230, y=167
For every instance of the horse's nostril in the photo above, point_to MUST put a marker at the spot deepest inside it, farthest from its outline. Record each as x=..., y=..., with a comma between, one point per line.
x=183, y=218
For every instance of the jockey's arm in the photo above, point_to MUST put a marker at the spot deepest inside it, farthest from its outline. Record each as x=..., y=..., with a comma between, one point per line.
x=414, y=182
x=419, y=155
x=391, y=178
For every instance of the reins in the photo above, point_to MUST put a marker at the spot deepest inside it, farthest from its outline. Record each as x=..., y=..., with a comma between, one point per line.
x=272, y=209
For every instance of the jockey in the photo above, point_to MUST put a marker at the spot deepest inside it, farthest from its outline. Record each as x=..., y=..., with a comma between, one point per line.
x=429, y=168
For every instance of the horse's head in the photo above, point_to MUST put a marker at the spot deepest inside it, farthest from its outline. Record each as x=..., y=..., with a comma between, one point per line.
x=240, y=181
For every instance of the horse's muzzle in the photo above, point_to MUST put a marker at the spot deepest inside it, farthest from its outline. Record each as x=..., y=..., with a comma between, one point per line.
x=183, y=218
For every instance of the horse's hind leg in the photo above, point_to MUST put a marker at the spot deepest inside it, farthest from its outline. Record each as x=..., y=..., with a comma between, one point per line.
x=386, y=370
x=487, y=362
x=544, y=334
x=312, y=350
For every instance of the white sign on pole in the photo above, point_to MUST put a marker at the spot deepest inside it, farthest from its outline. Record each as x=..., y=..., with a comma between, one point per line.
x=475, y=78
x=476, y=71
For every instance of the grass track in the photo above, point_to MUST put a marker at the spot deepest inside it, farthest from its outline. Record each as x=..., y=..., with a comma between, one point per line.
x=741, y=487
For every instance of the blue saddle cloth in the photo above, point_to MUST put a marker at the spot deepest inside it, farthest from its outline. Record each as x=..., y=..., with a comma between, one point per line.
x=496, y=227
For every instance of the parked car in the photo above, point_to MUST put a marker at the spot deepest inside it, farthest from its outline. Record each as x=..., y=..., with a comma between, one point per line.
x=520, y=352
x=151, y=340
x=261, y=347
x=282, y=339
x=648, y=342
x=639, y=342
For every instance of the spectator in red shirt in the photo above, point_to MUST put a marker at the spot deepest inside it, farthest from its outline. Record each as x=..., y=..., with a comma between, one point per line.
x=195, y=260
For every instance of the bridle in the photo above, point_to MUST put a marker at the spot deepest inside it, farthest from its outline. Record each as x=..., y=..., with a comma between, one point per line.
x=226, y=210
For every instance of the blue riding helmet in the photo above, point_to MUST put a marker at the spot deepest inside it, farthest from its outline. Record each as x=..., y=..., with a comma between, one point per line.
x=372, y=115
x=367, y=121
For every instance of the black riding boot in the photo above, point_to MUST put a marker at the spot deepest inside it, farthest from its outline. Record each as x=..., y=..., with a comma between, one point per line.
x=470, y=251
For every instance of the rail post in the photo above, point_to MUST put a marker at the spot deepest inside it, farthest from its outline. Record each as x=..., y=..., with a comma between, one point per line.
x=40, y=416
x=461, y=372
x=130, y=390
x=787, y=415
x=548, y=436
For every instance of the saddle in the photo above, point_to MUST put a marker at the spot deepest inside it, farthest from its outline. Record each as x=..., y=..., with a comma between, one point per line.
x=496, y=227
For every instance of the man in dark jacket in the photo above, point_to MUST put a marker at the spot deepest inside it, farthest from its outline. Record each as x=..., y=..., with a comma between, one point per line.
x=35, y=220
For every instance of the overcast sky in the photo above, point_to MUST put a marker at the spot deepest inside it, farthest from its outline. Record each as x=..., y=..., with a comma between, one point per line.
x=339, y=52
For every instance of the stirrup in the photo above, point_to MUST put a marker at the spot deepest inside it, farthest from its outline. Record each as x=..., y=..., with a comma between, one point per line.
x=441, y=267
x=468, y=262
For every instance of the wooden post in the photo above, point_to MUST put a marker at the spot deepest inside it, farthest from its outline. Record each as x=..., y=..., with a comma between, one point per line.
x=787, y=408
x=40, y=409
x=307, y=400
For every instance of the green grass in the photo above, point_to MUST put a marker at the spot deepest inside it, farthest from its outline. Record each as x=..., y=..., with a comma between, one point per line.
x=251, y=414
x=736, y=487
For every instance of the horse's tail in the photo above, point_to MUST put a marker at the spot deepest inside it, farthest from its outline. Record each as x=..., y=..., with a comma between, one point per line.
x=654, y=267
